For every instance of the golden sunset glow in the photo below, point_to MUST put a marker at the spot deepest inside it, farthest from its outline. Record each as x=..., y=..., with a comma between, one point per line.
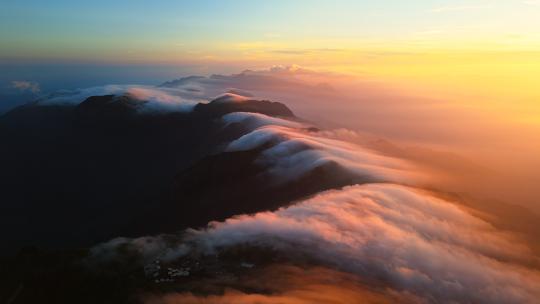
x=270, y=151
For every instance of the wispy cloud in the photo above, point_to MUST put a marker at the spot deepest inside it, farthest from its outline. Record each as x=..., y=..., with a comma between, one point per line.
x=291, y=52
x=23, y=85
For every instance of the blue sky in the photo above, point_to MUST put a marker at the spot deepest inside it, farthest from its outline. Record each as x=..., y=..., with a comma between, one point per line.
x=451, y=45
x=153, y=30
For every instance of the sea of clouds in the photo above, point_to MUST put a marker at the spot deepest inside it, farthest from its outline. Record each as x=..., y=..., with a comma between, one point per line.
x=387, y=232
x=406, y=242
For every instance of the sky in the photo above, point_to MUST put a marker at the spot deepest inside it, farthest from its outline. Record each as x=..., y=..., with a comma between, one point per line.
x=487, y=51
x=482, y=55
x=176, y=31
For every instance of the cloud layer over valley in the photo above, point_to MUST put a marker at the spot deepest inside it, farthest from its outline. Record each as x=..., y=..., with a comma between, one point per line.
x=400, y=239
x=157, y=99
x=401, y=242
x=385, y=234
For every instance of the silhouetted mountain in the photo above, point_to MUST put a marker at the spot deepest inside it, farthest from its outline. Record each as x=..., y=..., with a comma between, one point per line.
x=221, y=106
x=74, y=175
x=230, y=183
x=109, y=105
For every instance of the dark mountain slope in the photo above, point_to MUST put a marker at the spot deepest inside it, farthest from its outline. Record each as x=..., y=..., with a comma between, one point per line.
x=219, y=108
x=78, y=174
x=230, y=183
x=73, y=176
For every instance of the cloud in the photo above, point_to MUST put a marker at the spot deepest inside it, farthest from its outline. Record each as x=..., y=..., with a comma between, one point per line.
x=182, y=94
x=305, y=51
x=257, y=79
x=231, y=98
x=161, y=100
x=293, y=153
x=292, y=52
x=257, y=120
x=403, y=117
x=398, y=240
x=26, y=86
x=395, y=240
x=158, y=99
x=414, y=242
x=283, y=70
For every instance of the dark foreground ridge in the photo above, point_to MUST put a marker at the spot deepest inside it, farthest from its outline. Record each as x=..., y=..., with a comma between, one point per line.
x=76, y=175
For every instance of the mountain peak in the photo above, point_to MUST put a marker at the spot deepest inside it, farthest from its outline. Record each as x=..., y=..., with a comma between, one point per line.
x=112, y=104
x=229, y=103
